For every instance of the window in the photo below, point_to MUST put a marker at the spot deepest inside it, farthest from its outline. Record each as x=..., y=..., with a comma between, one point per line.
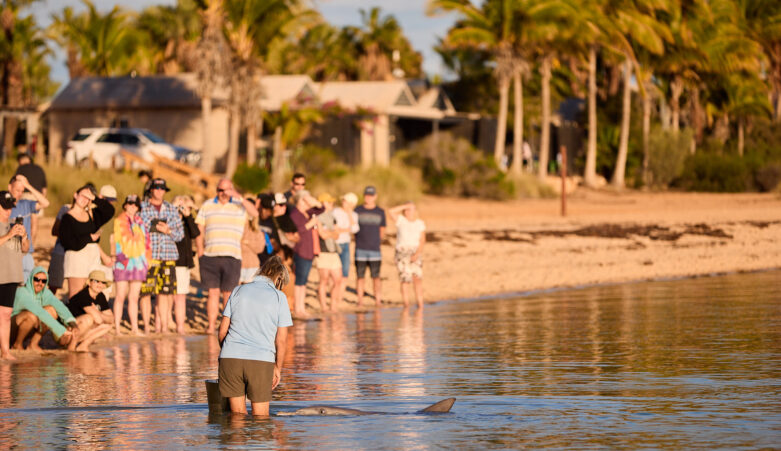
x=111, y=138
x=80, y=136
x=129, y=140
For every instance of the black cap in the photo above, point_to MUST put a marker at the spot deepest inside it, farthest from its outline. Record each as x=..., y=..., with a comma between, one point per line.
x=7, y=201
x=158, y=183
x=132, y=199
x=370, y=190
x=267, y=201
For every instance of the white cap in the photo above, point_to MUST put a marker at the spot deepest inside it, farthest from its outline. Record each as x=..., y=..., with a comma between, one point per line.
x=351, y=198
x=280, y=199
x=108, y=192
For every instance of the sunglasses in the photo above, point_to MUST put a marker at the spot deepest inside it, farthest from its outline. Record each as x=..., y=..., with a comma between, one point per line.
x=98, y=281
x=300, y=184
x=39, y=280
x=220, y=190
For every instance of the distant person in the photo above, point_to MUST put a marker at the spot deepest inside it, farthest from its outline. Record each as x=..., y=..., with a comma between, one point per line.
x=13, y=245
x=34, y=174
x=410, y=238
x=346, y=225
x=130, y=265
x=221, y=223
x=297, y=183
x=90, y=308
x=528, y=157
x=329, y=266
x=79, y=234
x=265, y=204
x=28, y=210
x=253, y=242
x=105, y=242
x=164, y=226
x=145, y=177
x=371, y=220
x=57, y=261
x=186, y=261
x=303, y=216
x=253, y=337
x=285, y=229
x=37, y=311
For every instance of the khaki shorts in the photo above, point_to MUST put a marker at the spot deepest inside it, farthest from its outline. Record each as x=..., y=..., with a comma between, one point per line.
x=329, y=260
x=251, y=377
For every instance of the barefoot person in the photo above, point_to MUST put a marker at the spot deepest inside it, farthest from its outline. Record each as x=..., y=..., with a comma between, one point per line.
x=92, y=312
x=410, y=238
x=371, y=220
x=37, y=310
x=13, y=245
x=346, y=226
x=253, y=337
x=130, y=265
x=329, y=266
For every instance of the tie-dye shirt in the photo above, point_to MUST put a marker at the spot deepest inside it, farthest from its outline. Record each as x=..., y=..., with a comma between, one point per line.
x=131, y=245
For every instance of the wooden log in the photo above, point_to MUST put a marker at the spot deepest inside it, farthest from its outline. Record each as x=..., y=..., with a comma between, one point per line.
x=217, y=404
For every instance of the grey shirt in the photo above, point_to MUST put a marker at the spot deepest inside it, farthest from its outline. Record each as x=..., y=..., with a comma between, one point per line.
x=11, y=256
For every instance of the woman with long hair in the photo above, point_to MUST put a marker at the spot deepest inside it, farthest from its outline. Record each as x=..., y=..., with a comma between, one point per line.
x=130, y=266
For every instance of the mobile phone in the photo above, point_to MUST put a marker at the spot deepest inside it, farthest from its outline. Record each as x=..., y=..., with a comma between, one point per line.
x=154, y=222
x=19, y=220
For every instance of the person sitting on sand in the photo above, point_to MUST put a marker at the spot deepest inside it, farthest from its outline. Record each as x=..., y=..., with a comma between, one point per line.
x=37, y=310
x=410, y=238
x=92, y=311
x=253, y=337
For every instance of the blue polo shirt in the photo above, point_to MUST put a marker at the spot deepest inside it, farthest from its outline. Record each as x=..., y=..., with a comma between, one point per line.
x=26, y=208
x=256, y=310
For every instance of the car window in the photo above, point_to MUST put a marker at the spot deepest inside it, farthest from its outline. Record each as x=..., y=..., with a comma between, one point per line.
x=80, y=136
x=152, y=137
x=130, y=140
x=112, y=138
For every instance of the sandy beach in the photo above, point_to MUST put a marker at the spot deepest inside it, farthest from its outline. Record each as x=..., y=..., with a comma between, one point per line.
x=478, y=248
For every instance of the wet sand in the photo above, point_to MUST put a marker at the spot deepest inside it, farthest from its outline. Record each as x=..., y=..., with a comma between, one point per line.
x=478, y=248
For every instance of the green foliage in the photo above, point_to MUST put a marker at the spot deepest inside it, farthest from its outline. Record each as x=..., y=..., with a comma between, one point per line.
x=454, y=168
x=707, y=171
x=768, y=177
x=253, y=179
x=667, y=154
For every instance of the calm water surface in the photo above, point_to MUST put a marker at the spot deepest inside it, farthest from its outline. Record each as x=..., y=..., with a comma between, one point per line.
x=679, y=364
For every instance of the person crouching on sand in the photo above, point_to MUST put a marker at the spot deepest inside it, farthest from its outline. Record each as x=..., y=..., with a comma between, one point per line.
x=92, y=312
x=253, y=337
x=410, y=238
x=37, y=310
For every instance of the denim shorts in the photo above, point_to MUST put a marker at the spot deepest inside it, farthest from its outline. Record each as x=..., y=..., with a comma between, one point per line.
x=303, y=266
x=344, y=256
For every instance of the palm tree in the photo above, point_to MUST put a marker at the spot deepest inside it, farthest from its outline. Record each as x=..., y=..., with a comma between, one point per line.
x=171, y=33
x=291, y=126
x=213, y=67
x=377, y=40
x=100, y=44
x=762, y=24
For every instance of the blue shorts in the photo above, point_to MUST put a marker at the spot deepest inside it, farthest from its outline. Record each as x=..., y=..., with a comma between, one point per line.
x=303, y=266
x=344, y=256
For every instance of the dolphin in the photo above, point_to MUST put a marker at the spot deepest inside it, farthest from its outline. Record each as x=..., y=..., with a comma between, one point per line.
x=439, y=407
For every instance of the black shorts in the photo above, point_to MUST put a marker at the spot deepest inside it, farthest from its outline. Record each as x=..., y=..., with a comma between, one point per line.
x=239, y=377
x=220, y=272
x=7, y=294
x=374, y=267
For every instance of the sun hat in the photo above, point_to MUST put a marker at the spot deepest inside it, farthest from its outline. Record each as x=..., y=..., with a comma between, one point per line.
x=99, y=276
x=351, y=198
x=132, y=199
x=159, y=183
x=108, y=192
x=325, y=197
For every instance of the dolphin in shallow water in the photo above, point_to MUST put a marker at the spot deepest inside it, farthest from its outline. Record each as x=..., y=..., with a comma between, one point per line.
x=440, y=407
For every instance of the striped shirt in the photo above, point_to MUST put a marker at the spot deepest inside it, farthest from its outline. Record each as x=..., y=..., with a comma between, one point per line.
x=223, y=226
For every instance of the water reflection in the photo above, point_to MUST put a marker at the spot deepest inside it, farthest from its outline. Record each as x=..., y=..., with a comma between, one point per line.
x=672, y=364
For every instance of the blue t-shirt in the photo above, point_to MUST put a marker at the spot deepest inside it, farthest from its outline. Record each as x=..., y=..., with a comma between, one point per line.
x=370, y=221
x=256, y=310
x=26, y=209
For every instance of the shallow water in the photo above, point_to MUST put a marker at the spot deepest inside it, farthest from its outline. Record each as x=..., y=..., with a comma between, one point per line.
x=678, y=364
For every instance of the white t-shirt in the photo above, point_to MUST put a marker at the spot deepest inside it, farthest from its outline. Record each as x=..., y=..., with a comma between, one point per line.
x=408, y=232
x=343, y=222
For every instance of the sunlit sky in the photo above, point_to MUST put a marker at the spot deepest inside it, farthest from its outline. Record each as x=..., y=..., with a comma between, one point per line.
x=421, y=30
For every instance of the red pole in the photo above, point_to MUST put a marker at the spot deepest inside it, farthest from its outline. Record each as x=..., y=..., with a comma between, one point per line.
x=563, y=171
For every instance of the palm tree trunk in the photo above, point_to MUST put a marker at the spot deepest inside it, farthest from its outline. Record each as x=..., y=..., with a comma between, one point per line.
x=252, y=152
x=741, y=135
x=233, y=147
x=697, y=121
x=590, y=175
x=623, y=145
x=207, y=151
x=501, y=126
x=278, y=161
x=675, y=103
x=517, y=166
x=545, y=71
x=646, y=134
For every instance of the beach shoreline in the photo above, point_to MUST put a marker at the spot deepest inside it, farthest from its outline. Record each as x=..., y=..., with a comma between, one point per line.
x=480, y=249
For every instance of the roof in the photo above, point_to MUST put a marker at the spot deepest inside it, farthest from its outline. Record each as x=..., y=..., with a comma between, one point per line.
x=375, y=95
x=157, y=91
x=277, y=89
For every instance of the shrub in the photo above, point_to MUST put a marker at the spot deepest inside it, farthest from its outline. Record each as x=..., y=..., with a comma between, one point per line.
x=715, y=172
x=395, y=184
x=253, y=179
x=768, y=178
x=667, y=153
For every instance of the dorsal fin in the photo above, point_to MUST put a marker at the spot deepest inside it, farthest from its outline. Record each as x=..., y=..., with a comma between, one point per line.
x=440, y=407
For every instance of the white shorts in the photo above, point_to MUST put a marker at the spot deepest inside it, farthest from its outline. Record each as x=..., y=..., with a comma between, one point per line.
x=182, y=280
x=80, y=263
x=329, y=260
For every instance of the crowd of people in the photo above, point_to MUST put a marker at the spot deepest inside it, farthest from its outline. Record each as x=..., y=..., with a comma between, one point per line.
x=149, y=248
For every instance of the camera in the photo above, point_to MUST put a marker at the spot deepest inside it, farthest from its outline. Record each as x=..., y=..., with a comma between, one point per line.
x=19, y=220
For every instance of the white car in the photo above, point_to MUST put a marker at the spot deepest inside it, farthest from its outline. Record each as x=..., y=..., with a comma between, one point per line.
x=104, y=144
